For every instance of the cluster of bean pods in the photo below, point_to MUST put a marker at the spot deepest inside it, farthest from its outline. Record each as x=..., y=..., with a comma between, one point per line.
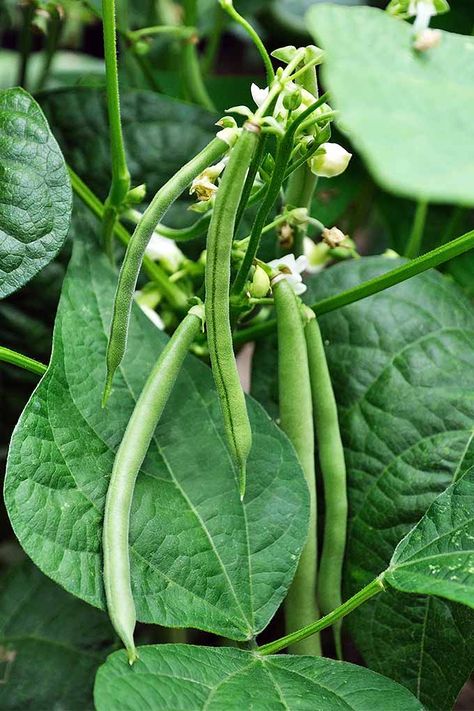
x=305, y=390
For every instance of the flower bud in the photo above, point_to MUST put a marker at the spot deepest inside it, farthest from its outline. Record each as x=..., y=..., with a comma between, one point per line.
x=260, y=284
x=292, y=100
x=330, y=160
x=136, y=195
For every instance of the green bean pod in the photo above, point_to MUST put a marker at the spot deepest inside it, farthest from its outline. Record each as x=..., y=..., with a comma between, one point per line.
x=296, y=419
x=333, y=470
x=136, y=250
x=217, y=279
x=128, y=460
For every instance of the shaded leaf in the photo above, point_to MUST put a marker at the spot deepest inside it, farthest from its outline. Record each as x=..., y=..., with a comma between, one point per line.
x=50, y=644
x=193, y=678
x=36, y=193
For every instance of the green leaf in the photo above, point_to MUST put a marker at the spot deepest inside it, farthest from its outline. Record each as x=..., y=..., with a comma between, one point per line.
x=36, y=194
x=402, y=368
x=199, y=556
x=160, y=134
x=50, y=644
x=413, y=143
x=437, y=556
x=402, y=365
x=193, y=678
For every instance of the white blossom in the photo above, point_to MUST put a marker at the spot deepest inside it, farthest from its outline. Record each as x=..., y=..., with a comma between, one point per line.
x=259, y=95
x=291, y=269
x=164, y=250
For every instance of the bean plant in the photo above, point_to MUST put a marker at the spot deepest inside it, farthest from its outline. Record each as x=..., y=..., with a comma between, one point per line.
x=184, y=539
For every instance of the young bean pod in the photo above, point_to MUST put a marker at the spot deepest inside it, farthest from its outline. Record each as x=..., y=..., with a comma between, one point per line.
x=219, y=333
x=333, y=470
x=136, y=250
x=128, y=460
x=296, y=417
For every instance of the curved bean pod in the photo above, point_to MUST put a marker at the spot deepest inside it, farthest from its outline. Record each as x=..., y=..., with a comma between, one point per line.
x=296, y=419
x=128, y=460
x=333, y=470
x=219, y=333
x=136, y=250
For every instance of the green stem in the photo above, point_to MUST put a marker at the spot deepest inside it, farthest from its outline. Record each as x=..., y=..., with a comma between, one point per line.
x=22, y=361
x=192, y=76
x=214, y=41
x=296, y=418
x=120, y=184
x=174, y=31
x=273, y=190
x=250, y=179
x=25, y=44
x=373, y=588
x=52, y=40
x=172, y=293
x=416, y=266
x=416, y=236
x=302, y=182
x=237, y=17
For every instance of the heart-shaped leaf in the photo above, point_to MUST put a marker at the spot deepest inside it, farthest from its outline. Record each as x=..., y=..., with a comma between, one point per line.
x=437, y=556
x=36, y=194
x=191, y=678
x=413, y=143
x=199, y=556
x=50, y=643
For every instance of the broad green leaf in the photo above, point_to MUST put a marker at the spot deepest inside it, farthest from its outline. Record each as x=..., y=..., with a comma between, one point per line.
x=188, y=678
x=199, y=556
x=50, y=644
x=437, y=556
x=411, y=139
x=402, y=367
x=160, y=134
x=402, y=364
x=36, y=195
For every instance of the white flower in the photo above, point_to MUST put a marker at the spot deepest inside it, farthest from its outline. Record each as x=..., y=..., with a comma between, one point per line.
x=330, y=160
x=317, y=255
x=153, y=316
x=291, y=269
x=424, y=11
x=203, y=186
x=259, y=95
x=165, y=250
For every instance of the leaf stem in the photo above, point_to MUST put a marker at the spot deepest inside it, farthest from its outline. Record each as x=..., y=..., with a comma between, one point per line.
x=52, y=40
x=373, y=286
x=174, y=31
x=373, y=588
x=120, y=184
x=229, y=8
x=22, y=361
x=413, y=246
